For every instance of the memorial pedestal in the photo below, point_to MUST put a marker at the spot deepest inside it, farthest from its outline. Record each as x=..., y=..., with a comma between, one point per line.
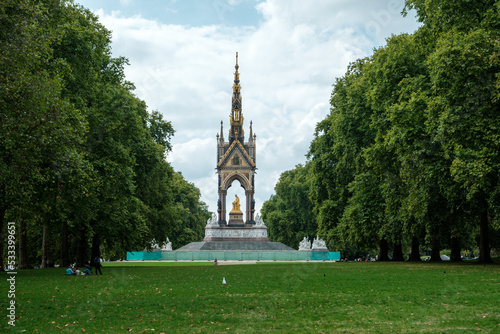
x=243, y=233
x=236, y=219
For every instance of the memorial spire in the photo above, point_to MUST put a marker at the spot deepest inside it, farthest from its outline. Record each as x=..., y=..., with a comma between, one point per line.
x=236, y=116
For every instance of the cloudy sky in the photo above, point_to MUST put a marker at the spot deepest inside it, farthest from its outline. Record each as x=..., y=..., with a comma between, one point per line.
x=182, y=57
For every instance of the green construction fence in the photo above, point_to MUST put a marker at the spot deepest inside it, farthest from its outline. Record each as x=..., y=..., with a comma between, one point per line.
x=233, y=256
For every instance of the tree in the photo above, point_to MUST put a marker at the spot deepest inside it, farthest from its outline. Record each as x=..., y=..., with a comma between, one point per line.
x=154, y=178
x=36, y=119
x=127, y=190
x=464, y=75
x=390, y=67
x=468, y=120
x=364, y=215
x=336, y=150
x=190, y=214
x=82, y=161
x=289, y=213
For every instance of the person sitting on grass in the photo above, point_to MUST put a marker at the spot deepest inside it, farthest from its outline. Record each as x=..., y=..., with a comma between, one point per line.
x=74, y=269
x=88, y=269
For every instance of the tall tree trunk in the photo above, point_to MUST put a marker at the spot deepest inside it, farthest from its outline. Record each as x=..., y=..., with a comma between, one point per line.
x=484, y=241
x=3, y=209
x=23, y=245
x=50, y=257
x=45, y=243
x=81, y=248
x=436, y=249
x=415, y=249
x=455, y=250
x=64, y=255
x=383, y=254
x=398, y=253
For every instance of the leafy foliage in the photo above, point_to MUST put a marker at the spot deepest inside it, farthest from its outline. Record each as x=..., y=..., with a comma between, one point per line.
x=410, y=148
x=190, y=213
x=289, y=214
x=81, y=158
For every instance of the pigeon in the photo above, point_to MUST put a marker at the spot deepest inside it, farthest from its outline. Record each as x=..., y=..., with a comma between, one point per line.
x=223, y=281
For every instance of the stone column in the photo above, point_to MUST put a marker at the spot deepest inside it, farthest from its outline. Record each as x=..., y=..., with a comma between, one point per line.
x=222, y=206
x=249, y=206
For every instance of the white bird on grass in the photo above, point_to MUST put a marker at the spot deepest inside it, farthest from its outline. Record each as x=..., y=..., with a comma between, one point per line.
x=223, y=281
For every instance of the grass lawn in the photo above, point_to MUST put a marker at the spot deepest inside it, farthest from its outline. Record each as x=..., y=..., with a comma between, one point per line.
x=263, y=297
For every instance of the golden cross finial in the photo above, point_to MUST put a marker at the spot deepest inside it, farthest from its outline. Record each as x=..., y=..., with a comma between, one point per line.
x=236, y=61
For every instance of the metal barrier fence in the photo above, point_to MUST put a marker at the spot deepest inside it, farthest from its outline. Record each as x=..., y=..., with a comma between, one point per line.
x=233, y=256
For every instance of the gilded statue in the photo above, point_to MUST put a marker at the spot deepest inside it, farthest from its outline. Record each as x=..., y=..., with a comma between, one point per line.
x=236, y=205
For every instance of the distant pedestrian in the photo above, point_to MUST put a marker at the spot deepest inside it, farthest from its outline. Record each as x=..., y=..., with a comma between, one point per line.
x=97, y=265
x=215, y=262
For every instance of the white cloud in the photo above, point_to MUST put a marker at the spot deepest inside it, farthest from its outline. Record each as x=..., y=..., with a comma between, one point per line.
x=126, y=2
x=288, y=64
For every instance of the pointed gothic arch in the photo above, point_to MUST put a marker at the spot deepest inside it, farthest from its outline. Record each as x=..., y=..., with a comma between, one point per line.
x=236, y=177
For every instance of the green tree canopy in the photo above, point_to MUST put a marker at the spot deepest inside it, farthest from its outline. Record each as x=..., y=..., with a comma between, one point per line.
x=82, y=160
x=289, y=213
